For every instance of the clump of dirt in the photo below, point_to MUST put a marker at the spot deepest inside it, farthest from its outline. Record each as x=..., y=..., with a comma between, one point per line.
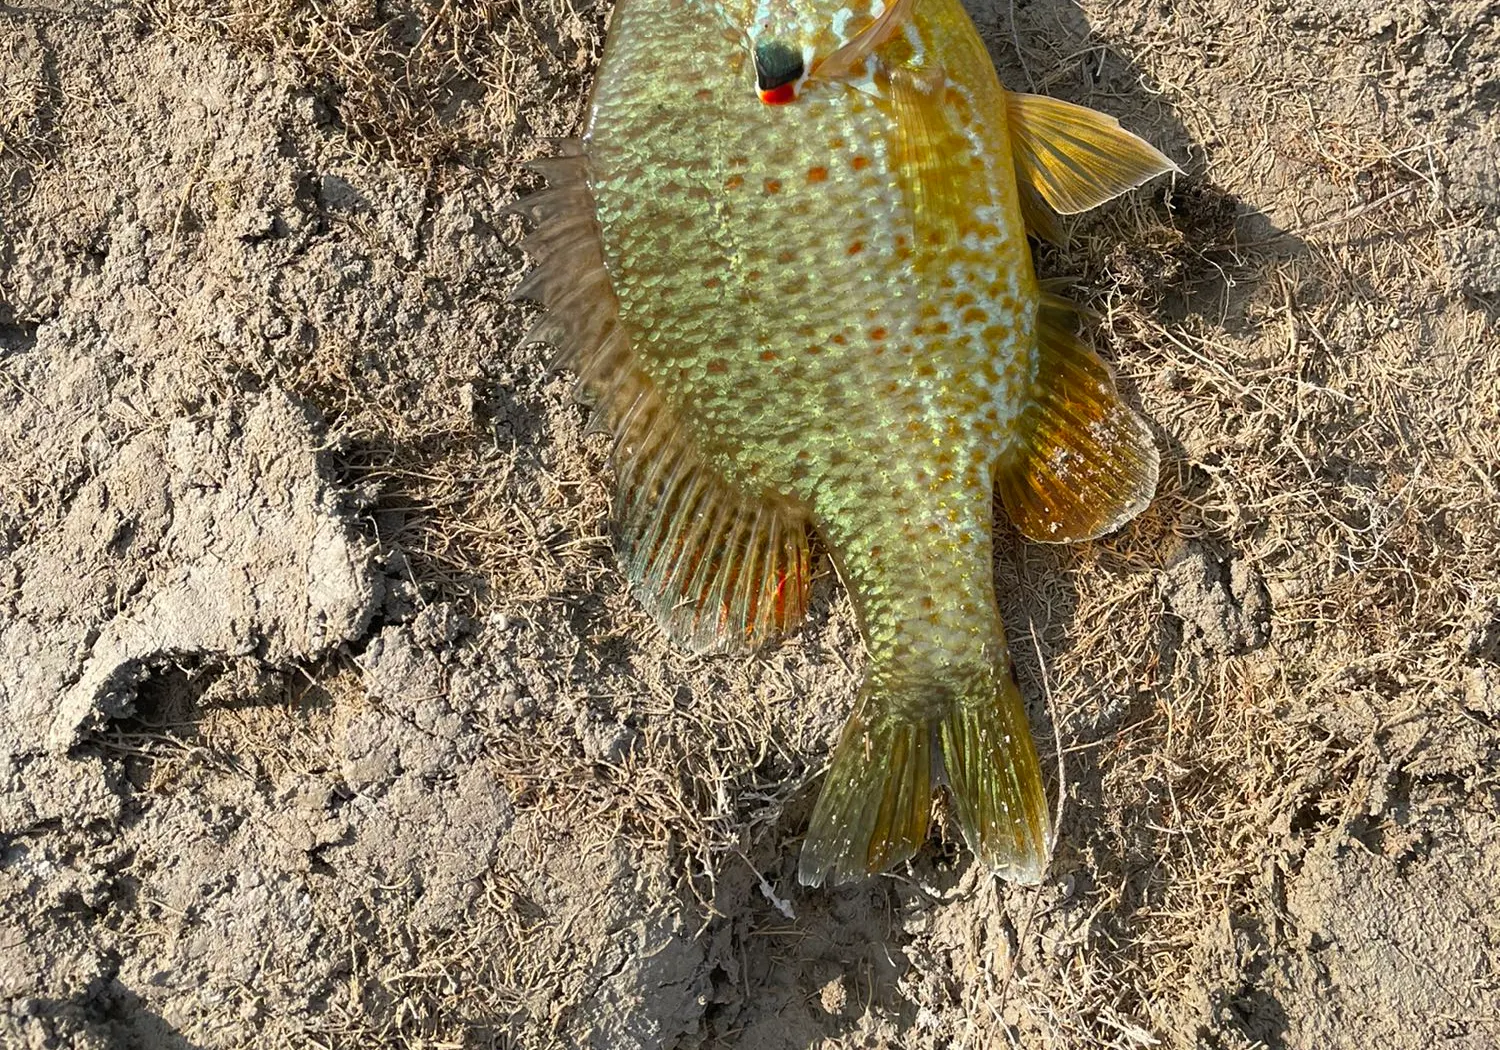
x=1404, y=933
x=325, y=717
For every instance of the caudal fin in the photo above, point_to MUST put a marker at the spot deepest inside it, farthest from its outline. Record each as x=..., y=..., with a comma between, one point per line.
x=875, y=806
x=990, y=764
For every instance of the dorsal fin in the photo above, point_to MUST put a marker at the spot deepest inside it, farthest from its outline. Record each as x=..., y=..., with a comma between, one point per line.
x=1084, y=463
x=718, y=570
x=1070, y=158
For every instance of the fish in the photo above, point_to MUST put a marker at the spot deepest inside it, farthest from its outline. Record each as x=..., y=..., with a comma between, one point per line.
x=788, y=261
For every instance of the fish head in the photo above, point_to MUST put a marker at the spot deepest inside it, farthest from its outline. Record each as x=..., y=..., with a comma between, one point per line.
x=797, y=44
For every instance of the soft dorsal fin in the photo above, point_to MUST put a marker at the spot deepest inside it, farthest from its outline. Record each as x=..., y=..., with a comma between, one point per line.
x=1071, y=158
x=718, y=572
x=716, y=569
x=1084, y=462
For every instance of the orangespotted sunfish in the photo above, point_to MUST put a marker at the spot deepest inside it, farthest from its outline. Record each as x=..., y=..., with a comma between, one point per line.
x=788, y=261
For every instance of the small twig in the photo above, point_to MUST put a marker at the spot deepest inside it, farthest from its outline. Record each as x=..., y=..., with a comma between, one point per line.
x=1062, y=775
x=1015, y=37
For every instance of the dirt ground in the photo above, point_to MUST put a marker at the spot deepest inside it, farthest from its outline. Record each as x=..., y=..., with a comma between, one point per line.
x=325, y=719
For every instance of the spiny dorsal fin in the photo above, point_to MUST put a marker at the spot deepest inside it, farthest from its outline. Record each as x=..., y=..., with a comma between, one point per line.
x=1071, y=158
x=716, y=569
x=1085, y=463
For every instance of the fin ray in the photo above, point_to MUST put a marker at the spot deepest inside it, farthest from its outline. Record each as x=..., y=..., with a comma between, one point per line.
x=851, y=56
x=876, y=802
x=1085, y=462
x=924, y=146
x=904, y=739
x=1040, y=219
x=995, y=782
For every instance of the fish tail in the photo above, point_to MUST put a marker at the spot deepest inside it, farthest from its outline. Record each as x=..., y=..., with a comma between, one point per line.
x=995, y=782
x=901, y=743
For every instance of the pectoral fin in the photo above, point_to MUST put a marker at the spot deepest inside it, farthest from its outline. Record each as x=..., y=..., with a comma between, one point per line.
x=1071, y=158
x=849, y=58
x=1085, y=462
x=924, y=148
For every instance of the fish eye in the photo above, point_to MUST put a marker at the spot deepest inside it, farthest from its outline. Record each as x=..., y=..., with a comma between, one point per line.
x=778, y=69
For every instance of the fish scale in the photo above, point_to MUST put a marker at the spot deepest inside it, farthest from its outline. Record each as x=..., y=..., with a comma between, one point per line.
x=812, y=306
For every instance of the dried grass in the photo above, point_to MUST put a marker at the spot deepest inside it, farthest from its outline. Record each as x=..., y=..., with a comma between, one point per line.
x=425, y=83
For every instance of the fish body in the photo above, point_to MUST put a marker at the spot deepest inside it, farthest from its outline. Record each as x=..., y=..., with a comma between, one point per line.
x=789, y=261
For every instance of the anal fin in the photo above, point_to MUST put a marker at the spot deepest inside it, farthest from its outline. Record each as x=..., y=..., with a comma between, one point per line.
x=1084, y=463
x=717, y=569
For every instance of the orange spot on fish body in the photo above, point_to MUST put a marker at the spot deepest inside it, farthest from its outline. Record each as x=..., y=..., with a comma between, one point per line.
x=818, y=174
x=734, y=182
x=768, y=355
x=773, y=185
x=855, y=247
x=878, y=333
x=974, y=315
x=860, y=162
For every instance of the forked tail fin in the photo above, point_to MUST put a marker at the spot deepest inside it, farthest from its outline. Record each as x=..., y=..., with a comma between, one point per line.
x=874, y=809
